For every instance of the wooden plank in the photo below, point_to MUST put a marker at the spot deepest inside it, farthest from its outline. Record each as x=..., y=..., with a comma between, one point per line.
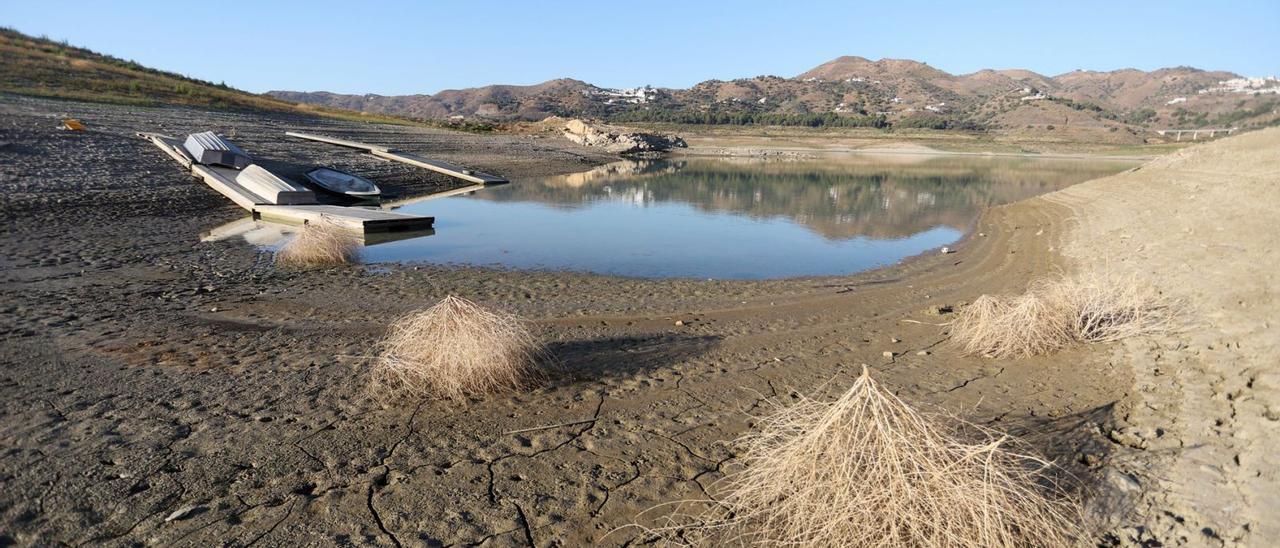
x=387, y=153
x=442, y=167
x=170, y=146
x=356, y=218
x=337, y=141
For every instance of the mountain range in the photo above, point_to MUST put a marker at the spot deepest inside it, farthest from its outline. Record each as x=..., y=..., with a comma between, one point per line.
x=857, y=91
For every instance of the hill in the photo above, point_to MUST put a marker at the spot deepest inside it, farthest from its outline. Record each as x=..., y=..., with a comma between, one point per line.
x=499, y=101
x=45, y=68
x=1115, y=106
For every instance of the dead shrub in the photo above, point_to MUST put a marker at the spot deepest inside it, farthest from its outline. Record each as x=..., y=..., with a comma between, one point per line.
x=1107, y=308
x=319, y=244
x=1053, y=314
x=868, y=470
x=455, y=348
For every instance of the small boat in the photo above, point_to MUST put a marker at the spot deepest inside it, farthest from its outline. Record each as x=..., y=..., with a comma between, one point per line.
x=209, y=148
x=343, y=183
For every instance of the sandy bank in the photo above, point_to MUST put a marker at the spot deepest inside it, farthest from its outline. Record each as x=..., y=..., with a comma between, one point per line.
x=1203, y=462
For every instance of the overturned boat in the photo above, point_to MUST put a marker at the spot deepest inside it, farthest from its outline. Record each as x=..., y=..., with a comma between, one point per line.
x=209, y=148
x=344, y=184
x=272, y=188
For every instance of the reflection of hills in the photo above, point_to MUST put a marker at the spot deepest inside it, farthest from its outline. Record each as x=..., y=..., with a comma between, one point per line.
x=617, y=170
x=837, y=198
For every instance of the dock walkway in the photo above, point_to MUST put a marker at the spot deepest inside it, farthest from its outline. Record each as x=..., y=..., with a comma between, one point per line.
x=223, y=180
x=387, y=153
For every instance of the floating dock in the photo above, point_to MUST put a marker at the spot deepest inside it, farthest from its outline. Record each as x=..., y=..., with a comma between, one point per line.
x=224, y=180
x=407, y=158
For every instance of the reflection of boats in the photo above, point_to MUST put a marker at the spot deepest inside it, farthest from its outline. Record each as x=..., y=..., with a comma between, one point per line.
x=343, y=183
x=264, y=233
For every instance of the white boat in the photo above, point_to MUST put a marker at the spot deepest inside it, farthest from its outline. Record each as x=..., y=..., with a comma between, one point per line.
x=272, y=188
x=210, y=148
x=343, y=183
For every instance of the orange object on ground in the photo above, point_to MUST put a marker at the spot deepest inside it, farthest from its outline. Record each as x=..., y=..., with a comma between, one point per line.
x=72, y=124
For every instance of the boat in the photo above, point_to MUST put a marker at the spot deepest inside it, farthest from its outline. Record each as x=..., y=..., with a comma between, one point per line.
x=344, y=184
x=272, y=188
x=209, y=148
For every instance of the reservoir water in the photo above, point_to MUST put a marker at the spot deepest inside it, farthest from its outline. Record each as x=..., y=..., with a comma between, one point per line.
x=731, y=218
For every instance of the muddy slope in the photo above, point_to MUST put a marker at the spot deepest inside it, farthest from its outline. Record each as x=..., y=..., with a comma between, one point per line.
x=157, y=389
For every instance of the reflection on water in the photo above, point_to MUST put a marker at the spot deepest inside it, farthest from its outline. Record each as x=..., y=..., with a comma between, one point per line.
x=276, y=235
x=732, y=218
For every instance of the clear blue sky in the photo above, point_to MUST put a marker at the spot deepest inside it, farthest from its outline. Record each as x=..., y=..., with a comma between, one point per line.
x=387, y=47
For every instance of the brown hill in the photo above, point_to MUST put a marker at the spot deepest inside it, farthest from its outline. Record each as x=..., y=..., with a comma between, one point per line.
x=1112, y=106
x=532, y=102
x=45, y=68
x=1132, y=89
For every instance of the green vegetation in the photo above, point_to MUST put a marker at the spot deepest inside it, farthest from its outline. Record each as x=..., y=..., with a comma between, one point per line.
x=1140, y=116
x=934, y=121
x=743, y=118
x=1235, y=116
x=1085, y=106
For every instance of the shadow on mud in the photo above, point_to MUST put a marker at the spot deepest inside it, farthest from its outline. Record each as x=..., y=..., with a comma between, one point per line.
x=623, y=356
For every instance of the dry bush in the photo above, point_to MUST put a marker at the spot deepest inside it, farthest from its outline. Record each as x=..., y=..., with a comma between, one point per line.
x=455, y=348
x=321, y=243
x=868, y=470
x=1107, y=308
x=1053, y=314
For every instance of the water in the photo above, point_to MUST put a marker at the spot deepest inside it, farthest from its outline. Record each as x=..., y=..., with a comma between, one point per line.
x=731, y=218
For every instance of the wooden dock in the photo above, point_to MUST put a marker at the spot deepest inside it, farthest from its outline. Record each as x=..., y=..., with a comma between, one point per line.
x=223, y=180
x=407, y=158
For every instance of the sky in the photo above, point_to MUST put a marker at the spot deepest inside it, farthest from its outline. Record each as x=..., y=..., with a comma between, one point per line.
x=395, y=48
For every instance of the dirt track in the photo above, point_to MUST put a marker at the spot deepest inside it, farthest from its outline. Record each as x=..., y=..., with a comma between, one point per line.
x=146, y=374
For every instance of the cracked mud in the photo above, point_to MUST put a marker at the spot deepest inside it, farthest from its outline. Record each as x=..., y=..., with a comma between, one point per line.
x=156, y=389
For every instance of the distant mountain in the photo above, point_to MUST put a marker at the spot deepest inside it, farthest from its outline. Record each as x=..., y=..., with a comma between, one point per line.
x=498, y=101
x=852, y=90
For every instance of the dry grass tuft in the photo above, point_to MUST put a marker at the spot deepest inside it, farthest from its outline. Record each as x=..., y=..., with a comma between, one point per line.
x=1109, y=308
x=319, y=244
x=1053, y=314
x=868, y=470
x=456, y=348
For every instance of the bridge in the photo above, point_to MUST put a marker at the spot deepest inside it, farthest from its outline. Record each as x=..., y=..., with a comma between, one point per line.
x=1195, y=133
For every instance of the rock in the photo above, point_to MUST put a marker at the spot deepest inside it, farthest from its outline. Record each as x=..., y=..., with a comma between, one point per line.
x=618, y=139
x=1271, y=414
x=679, y=323
x=1127, y=438
x=889, y=354
x=184, y=512
x=922, y=353
x=946, y=250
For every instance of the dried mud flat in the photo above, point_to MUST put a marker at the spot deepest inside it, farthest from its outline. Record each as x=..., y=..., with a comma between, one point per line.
x=156, y=389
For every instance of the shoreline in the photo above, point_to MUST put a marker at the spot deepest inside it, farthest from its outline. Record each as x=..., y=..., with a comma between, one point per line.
x=236, y=388
x=739, y=152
